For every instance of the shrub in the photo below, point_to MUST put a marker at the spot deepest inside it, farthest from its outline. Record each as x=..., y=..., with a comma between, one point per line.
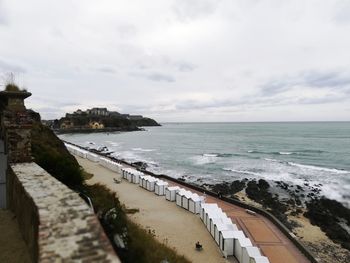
x=50, y=153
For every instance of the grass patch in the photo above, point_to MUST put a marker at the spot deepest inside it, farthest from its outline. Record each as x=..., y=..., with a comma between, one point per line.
x=145, y=248
x=131, y=210
x=86, y=175
x=50, y=153
x=141, y=245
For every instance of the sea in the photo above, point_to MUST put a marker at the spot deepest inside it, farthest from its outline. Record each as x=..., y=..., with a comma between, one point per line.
x=298, y=153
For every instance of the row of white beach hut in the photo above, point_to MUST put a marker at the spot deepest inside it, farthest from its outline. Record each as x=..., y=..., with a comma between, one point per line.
x=82, y=153
x=111, y=165
x=189, y=201
x=231, y=240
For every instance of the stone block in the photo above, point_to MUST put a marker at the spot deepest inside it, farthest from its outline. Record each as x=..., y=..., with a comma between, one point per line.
x=2, y=147
x=3, y=203
x=3, y=166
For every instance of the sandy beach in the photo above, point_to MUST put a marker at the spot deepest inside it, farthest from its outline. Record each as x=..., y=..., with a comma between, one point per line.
x=171, y=224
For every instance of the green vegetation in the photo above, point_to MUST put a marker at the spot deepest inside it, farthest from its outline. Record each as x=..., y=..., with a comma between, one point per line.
x=49, y=152
x=11, y=87
x=141, y=246
x=86, y=175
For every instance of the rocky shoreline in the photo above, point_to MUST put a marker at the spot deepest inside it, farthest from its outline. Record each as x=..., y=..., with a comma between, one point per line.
x=321, y=224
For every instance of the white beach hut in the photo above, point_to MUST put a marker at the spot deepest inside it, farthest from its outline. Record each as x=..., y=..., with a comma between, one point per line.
x=116, y=167
x=81, y=153
x=123, y=173
x=219, y=221
x=194, y=203
x=160, y=186
x=223, y=227
x=259, y=259
x=179, y=195
x=92, y=157
x=170, y=193
x=214, y=214
x=209, y=212
x=141, y=180
x=250, y=252
x=129, y=175
x=145, y=180
x=228, y=237
x=150, y=183
x=185, y=199
x=203, y=208
x=227, y=241
x=240, y=244
x=135, y=177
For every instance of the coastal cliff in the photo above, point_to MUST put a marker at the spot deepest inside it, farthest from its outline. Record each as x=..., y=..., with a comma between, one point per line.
x=99, y=120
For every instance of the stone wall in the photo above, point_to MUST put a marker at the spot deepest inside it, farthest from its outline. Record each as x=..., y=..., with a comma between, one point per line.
x=3, y=167
x=57, y=225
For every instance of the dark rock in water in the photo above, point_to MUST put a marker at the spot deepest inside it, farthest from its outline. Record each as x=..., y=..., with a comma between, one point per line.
x=222, y=188
x=140, y=165
x=226, y=188
x=298, y=202
x=237, y=186
x=327, y=214
x=263, y=184
x=259, y=193
x=299, y=188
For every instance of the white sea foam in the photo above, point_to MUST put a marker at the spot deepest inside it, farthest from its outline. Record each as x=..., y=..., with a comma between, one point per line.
x=272, y=160
x=210, y=155
x=142, y=150
x=241, y=171
x=318, y=168
x=285, y=153
x=204, y=159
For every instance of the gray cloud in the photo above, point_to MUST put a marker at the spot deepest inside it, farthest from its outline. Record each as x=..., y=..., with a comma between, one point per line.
x=160, y=77
x=11, y=67
x=154, y=76
x=326, y=79
x=191, y=9
x=185, y=67
x=106, y=69
x=311, y=79
x=342, y=14
x=126, y=31
x=3, y=17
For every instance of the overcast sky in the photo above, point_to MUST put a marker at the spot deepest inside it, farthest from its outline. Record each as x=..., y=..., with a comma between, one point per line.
x=182, y=60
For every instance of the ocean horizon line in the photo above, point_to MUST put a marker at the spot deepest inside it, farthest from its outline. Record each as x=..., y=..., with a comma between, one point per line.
x=248, y=122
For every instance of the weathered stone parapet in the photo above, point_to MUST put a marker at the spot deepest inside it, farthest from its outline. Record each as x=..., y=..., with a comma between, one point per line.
x=56, y=223
x=15, y=125
x=18, y=140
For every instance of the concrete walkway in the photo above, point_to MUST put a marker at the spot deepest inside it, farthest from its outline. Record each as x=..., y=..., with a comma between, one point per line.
x=12, y=247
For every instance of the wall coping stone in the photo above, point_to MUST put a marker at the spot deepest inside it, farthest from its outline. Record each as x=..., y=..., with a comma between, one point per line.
x=68, y=230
